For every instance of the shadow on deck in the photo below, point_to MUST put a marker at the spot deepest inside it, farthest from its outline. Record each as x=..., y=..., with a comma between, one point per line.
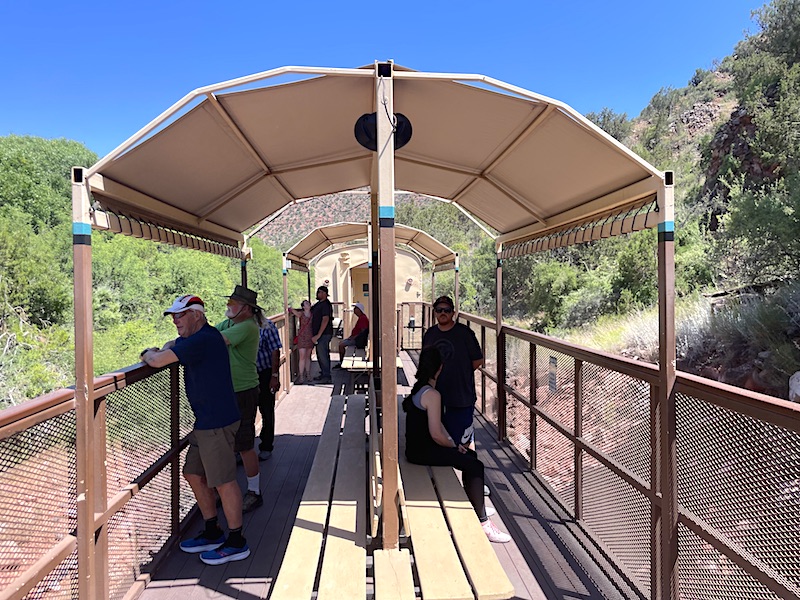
x=550, y=557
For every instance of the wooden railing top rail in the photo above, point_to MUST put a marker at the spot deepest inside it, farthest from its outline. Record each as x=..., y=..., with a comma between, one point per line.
x=765, y=408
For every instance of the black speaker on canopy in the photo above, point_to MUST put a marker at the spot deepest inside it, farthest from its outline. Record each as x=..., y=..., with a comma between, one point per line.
x=366, y=131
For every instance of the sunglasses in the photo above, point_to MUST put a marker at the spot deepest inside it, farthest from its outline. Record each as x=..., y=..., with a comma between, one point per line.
x=180, y=315
x=442, y=310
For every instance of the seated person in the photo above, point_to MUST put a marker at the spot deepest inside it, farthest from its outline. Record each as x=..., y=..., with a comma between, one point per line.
x=428, y=443
x=359, y=335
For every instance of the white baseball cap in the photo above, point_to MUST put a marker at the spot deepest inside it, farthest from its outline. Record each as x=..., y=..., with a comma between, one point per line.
x=360, y=306
x=184, y=303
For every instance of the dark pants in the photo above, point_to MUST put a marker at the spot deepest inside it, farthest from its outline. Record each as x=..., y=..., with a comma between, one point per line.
x=324, y=355
x=471, y=471
x=266, y=404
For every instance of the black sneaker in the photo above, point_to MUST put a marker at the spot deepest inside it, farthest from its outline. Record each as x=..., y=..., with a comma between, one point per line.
x=251, y=501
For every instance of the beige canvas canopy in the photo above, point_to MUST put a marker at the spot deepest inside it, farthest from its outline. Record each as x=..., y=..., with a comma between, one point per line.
x=224, y=157
x=320, y=239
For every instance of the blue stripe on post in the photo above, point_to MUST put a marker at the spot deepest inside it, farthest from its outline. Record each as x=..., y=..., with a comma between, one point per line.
x=666, y=231
x=81, y=229
x=386, y=212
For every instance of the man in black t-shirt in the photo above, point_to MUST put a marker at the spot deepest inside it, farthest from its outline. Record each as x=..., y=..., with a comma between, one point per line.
x=461, y=355
x=322, y=329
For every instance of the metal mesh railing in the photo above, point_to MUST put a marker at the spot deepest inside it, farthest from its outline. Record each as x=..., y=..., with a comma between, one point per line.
x=38, y=484
x=37, y=502
x=738, y=463
x=740, y=477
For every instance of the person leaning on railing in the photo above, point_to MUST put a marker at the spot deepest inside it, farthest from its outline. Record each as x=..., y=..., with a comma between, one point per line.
x=210, y=462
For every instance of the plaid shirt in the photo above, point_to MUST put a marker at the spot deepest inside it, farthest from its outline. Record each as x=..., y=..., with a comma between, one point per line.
x=270, y=340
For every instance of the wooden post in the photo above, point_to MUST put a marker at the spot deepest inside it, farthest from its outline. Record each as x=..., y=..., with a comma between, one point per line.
x=384, y=102
x=92, y=545
x=287, y=341
x=578, y=426
x=500, y=349
x=174, y=440
x=533, y=399
x=456, y=284
x=668, y=480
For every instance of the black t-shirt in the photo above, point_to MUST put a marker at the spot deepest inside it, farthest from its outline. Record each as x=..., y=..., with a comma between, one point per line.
x=323, y=308
x=458, y=347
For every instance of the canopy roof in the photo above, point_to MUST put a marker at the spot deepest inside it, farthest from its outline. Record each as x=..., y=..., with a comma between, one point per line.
x=322, y=238
x=224, y=158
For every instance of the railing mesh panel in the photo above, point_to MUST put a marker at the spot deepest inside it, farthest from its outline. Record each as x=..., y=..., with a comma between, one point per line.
x=518, y=378
x=137, y=532
x=37, y=501
x=555, y=461
x=491, y=399
x=705, y=573
x=619, y=516
x=616, y=417
x=555, y=381
x=138, y=429
x=742, y=477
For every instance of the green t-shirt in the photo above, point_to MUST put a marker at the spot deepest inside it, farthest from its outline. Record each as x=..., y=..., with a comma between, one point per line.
x=243, y=348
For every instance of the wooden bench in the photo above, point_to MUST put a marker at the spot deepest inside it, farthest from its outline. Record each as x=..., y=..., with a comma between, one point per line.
x=453, y=557
x=332, y=509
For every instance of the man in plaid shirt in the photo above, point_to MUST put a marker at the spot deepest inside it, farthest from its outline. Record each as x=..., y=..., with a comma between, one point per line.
x=268, y=365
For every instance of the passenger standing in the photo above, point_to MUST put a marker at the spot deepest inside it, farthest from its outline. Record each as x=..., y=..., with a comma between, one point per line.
x=461, y=355
x=322, y=327
x=268, y=364
x=305, y=344
x=210, y=461
x=241, y=333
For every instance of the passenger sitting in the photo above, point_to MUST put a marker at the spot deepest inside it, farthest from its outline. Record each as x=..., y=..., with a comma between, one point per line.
x=360, y=334
x=428, y=443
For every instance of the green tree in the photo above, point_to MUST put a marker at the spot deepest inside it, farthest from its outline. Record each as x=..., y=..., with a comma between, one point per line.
x=35, y=176
x=617, y=125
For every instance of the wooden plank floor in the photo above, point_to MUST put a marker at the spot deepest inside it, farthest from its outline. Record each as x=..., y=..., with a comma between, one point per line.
x=549, y=558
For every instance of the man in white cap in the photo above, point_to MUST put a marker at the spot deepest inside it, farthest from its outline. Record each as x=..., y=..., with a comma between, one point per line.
x=210, y=462
x=359, y=335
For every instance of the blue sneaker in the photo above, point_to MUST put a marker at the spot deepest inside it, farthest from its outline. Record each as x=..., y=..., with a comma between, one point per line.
x=202, y=543
x=225, y=554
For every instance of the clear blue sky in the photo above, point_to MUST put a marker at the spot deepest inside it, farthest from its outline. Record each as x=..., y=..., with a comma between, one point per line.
x=97, y=72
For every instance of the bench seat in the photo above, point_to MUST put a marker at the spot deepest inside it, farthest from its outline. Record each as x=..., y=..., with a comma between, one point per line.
x=453, y=557
x=333, y=507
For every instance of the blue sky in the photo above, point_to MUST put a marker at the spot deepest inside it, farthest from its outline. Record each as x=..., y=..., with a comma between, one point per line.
x=97, y=72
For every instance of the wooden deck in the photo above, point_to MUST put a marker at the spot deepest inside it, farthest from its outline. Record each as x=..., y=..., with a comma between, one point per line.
x=550, y=557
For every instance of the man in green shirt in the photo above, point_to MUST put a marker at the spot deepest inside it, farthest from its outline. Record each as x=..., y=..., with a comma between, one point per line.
x=241, y=330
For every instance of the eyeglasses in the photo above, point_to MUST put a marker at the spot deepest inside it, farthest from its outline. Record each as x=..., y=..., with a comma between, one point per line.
x=439, y=311
x=180, y=315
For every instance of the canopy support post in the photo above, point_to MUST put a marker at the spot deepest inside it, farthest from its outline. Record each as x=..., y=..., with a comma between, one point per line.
x=500, y=349
x=456, y=267
x=287, y=364
x=90, y=420
x=386, y=122
x=664, y=519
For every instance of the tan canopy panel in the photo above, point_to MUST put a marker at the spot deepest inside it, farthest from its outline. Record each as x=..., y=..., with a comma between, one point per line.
x=229, y=155
x=319, y=240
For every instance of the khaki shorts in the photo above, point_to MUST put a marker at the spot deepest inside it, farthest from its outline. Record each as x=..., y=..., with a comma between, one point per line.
x=211, y=455
x=248, y=403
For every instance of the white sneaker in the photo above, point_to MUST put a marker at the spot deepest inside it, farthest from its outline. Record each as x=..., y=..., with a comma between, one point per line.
x=490, y=511
x=494, y=534
x=486, y=490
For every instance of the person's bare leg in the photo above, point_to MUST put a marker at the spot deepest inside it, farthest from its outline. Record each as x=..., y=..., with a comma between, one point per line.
x=250, y=462
x=231, y=497
x=204, y=495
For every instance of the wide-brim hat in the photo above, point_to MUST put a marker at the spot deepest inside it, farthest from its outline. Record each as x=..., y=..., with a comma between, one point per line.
x=359, y=306
x=245, y=296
